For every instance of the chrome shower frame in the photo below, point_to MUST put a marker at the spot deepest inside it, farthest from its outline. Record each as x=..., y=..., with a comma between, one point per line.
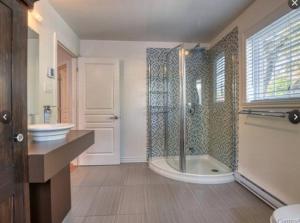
x=182, y=76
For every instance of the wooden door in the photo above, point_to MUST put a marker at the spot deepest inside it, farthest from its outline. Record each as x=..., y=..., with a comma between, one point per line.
x=14, y=195
x=63, y=94
x=99, y=109
x=7, y=181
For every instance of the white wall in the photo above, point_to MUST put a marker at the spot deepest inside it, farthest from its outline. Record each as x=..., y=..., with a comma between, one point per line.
x=269, y=149
x=52, y=29
x=133, y=90
x=32, y=78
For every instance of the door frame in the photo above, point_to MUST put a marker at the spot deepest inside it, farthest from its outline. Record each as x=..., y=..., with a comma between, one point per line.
x=73, y=66
x=67, y=67
x=73, y=103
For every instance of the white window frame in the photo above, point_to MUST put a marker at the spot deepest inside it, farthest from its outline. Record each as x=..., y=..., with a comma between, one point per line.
x=220, y=55
x=273, y=103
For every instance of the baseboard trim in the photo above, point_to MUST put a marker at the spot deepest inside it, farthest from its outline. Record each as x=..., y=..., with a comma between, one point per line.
x=258, y=191
x=134, y=159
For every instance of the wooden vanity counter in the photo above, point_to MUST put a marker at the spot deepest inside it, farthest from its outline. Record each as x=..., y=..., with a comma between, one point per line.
x=49, y=175
x=46, y=159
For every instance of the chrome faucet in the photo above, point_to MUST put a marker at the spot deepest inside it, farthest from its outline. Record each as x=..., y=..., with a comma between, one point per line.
x=191, y=108
x=47, y=113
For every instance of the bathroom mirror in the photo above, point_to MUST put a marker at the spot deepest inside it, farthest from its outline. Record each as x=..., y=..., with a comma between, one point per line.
x=32, y=75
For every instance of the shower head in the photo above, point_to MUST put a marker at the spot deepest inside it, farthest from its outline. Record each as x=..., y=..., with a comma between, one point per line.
x=196, y=46
x=189, y=48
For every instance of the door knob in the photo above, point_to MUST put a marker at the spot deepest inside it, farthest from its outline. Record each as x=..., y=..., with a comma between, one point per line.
x=115, y=117
x=18, y=137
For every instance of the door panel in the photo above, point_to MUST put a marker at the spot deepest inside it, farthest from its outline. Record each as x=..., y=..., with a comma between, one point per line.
x=99, y=82
x=6, y=208
x=98, y=91
x=14, y=202
x=5, y=86
x=6, y=147
x=103, y=137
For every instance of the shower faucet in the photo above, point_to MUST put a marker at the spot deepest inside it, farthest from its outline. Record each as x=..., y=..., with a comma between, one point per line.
x=191, y=108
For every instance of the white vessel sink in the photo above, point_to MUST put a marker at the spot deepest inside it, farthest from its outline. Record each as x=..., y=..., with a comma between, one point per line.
x=49, y=132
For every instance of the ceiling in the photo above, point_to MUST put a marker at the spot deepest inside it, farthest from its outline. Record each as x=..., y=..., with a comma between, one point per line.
x=149, y=20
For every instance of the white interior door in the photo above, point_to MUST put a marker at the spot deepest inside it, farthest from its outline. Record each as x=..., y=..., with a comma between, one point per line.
x=99, y=109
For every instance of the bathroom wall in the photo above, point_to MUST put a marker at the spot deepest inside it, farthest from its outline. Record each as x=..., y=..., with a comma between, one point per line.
x=221, y=114
x=268, y=148
x=157, y=85
x=173, y=115
x=132, y=56
x=197, y=122
x=51, y=29
x=32, y=76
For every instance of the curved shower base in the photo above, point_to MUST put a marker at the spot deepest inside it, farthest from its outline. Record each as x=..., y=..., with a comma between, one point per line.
x=199, y=169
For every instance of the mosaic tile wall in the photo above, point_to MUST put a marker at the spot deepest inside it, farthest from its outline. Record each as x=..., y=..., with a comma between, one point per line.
x=169, y=103
x=221, y=115
x=197, y=121
x=173, y=102
x=156, y=60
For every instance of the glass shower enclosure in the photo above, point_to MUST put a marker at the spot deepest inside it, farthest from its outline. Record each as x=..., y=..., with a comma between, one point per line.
x=181, y=109
x=175, y=122
x=187, y=117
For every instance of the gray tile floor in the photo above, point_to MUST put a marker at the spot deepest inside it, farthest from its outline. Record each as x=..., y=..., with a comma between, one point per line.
x=132, y=193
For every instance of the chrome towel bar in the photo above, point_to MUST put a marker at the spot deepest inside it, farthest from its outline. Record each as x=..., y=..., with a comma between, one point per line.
x=293, y=116
x=264, y=113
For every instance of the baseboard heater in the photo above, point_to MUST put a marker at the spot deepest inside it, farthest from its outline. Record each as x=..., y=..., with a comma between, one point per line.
x=268, y=198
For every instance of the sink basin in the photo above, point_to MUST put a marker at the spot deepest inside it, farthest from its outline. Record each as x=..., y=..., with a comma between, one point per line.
x=49, y=132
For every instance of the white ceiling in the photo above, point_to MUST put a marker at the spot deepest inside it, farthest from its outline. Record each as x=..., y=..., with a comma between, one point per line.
x=149, y=20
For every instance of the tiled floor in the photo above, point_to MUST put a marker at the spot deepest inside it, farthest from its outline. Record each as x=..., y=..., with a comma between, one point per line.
x=132, y=193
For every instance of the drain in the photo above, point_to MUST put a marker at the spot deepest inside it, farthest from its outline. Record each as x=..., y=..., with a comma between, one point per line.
x=192, y=150
x=215, y=170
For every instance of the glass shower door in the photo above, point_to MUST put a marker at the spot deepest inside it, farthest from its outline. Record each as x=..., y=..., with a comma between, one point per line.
x=197, y=108
x=174, y=117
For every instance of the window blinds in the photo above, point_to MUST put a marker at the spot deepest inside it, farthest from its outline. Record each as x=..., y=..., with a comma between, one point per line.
x=220, y=78
x=273, y=60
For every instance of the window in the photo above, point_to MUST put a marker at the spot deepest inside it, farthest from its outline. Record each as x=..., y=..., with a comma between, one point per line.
x=199, y=91
x=219, y=78
x=273, y=61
